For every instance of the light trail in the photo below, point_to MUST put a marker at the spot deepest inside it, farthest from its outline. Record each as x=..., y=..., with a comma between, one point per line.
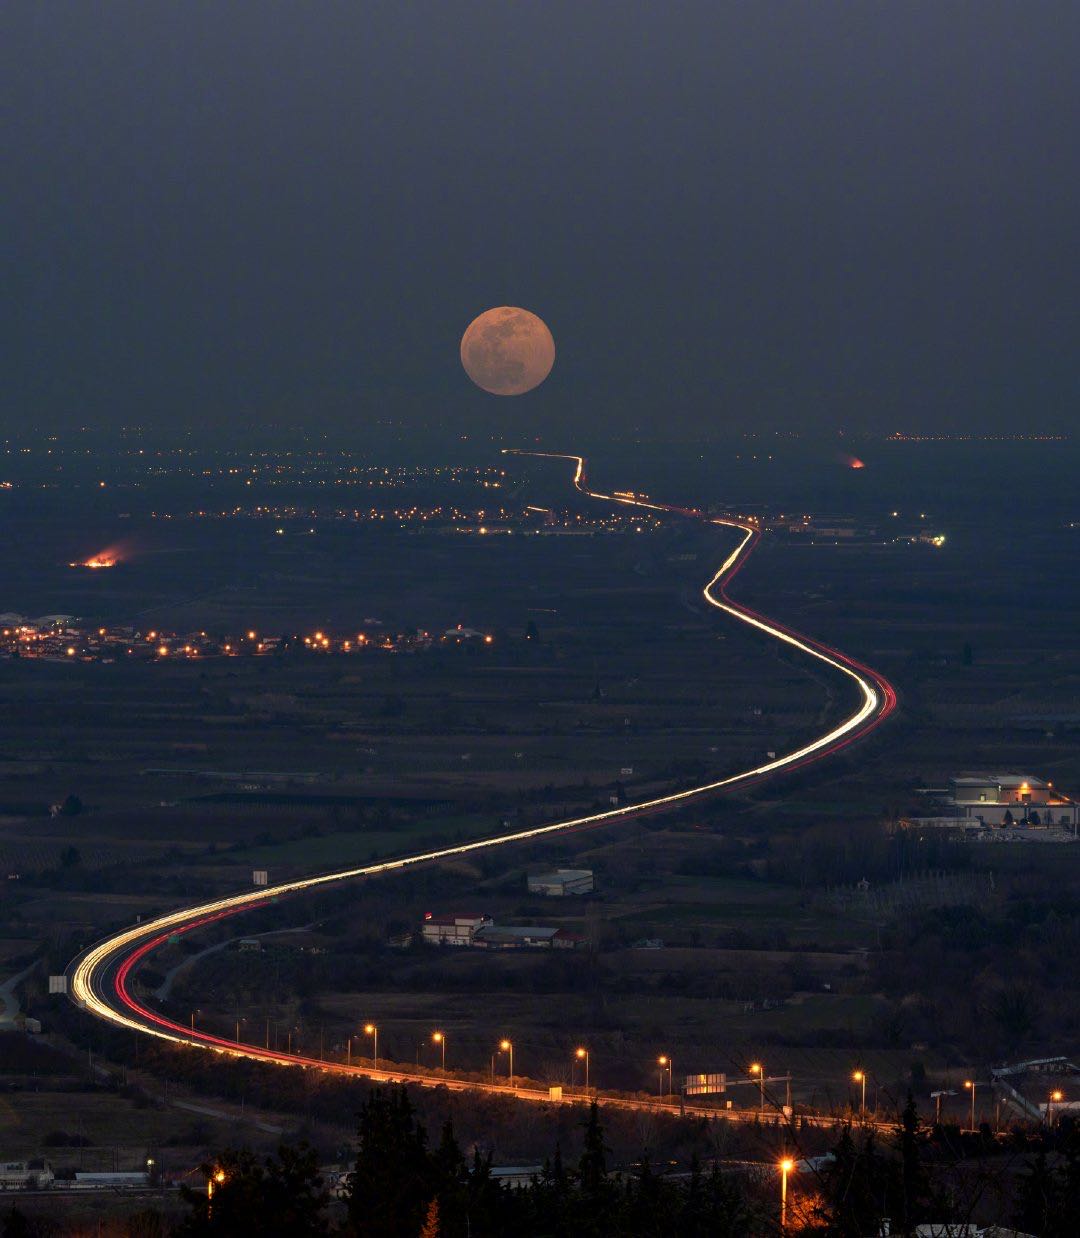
x=99, y=977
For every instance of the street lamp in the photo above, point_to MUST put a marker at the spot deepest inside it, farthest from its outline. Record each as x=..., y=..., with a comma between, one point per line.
x=440, y=1039
x=193, y=1014
x=371, y=1030
x=1056, y=1097
x=664, y=1062
x=972, y=1085
x=756, y=1068
x=860, y=1077
x=238, y=1022
x=583, y=1054
x=506, y=1046
x=216, y=1178
x=786, y=1166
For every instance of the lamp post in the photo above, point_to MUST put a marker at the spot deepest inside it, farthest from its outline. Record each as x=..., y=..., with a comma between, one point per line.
x=583, y=1054
x=217, y=1177
x=664, y=1062
x=193, y=1014
x=1056, y=1097
x=371, y=1030
x=972, y=1085
x=860, y=1077
x=786, y=1166
x=756, y=1068
x=506, y=1046
x=440, y=1039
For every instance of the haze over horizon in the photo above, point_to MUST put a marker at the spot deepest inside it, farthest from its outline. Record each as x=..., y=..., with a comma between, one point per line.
x=257, y=218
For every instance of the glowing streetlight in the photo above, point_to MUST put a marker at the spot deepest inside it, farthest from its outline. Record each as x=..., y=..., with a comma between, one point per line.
x=756, y=1068
x=583, y=1055
x=860, y=1077
x=440, y=1039
x=664, y=1062
x=215, y=1179
x=786, y=1166
x=1056, y=1097
x=371, y=1030
x=972, y=1085
x=506, y=1046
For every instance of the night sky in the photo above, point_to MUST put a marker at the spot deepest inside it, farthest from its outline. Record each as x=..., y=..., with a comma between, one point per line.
x=794, y=216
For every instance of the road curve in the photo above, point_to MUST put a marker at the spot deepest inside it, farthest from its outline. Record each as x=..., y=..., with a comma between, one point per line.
x=99, y=978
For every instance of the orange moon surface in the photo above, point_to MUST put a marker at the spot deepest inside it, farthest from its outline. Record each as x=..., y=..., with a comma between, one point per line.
x=507, y=350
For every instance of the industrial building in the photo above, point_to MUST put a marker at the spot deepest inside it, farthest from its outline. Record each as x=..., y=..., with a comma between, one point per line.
x=523, y=937
x=1004, y=799
x=561, y=882
x=25, y=1175
x=453, y=930
x=1000, y=789
x=985, y=800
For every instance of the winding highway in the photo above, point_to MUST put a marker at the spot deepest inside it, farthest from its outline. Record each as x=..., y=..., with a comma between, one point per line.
x=100, y=979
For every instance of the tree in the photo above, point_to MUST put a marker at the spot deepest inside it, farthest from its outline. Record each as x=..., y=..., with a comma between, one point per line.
x=651, y=1203
x=913, y=1193
x=1035, y=1196
x=71, y=806
x=853, y=1187
x=70, y=857
x=16, y=1224
x=596, y=1195
x=451, y=1181
x=392, y=1179
x=967, y=655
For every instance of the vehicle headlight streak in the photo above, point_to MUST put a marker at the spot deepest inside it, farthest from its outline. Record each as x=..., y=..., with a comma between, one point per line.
x=94, y=987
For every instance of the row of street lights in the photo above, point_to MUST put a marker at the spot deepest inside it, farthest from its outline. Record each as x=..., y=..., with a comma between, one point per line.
x=664, y=1062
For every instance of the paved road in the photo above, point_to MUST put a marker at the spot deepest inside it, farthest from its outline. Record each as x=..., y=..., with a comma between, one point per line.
x=100, y=977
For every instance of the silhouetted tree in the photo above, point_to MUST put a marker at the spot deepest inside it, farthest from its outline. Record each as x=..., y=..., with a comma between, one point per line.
x=392, y=1180
x=279, y=1197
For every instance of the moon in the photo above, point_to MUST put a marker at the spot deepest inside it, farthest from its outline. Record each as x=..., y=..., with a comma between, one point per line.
x=507, y=350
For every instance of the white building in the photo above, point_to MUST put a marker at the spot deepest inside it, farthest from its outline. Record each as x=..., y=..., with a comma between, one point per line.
x=1003, y=799
x=24, y=1175
x=453, y=930
x=560, y=882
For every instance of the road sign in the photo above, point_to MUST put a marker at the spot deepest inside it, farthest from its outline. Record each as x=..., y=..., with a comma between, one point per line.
x=705, y=1085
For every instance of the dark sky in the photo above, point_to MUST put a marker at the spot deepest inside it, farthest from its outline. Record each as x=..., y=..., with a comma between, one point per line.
x=803, y=215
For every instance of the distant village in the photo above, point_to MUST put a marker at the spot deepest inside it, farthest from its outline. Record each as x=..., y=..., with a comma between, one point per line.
x=62, y=638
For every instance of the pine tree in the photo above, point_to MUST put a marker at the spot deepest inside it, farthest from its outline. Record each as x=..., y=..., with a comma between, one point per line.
x=451, y=1181
x=596, y=1195
x=393, y=1176
x=913, y=1188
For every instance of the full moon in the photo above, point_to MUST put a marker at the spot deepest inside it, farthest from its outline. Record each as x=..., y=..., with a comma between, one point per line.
x=507, y=350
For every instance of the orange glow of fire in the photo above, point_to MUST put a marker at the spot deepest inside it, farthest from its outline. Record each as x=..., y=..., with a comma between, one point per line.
x=853, y=462
x=106, y=558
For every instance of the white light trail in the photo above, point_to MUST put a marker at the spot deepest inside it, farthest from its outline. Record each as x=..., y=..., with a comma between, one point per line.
x=89, y=970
